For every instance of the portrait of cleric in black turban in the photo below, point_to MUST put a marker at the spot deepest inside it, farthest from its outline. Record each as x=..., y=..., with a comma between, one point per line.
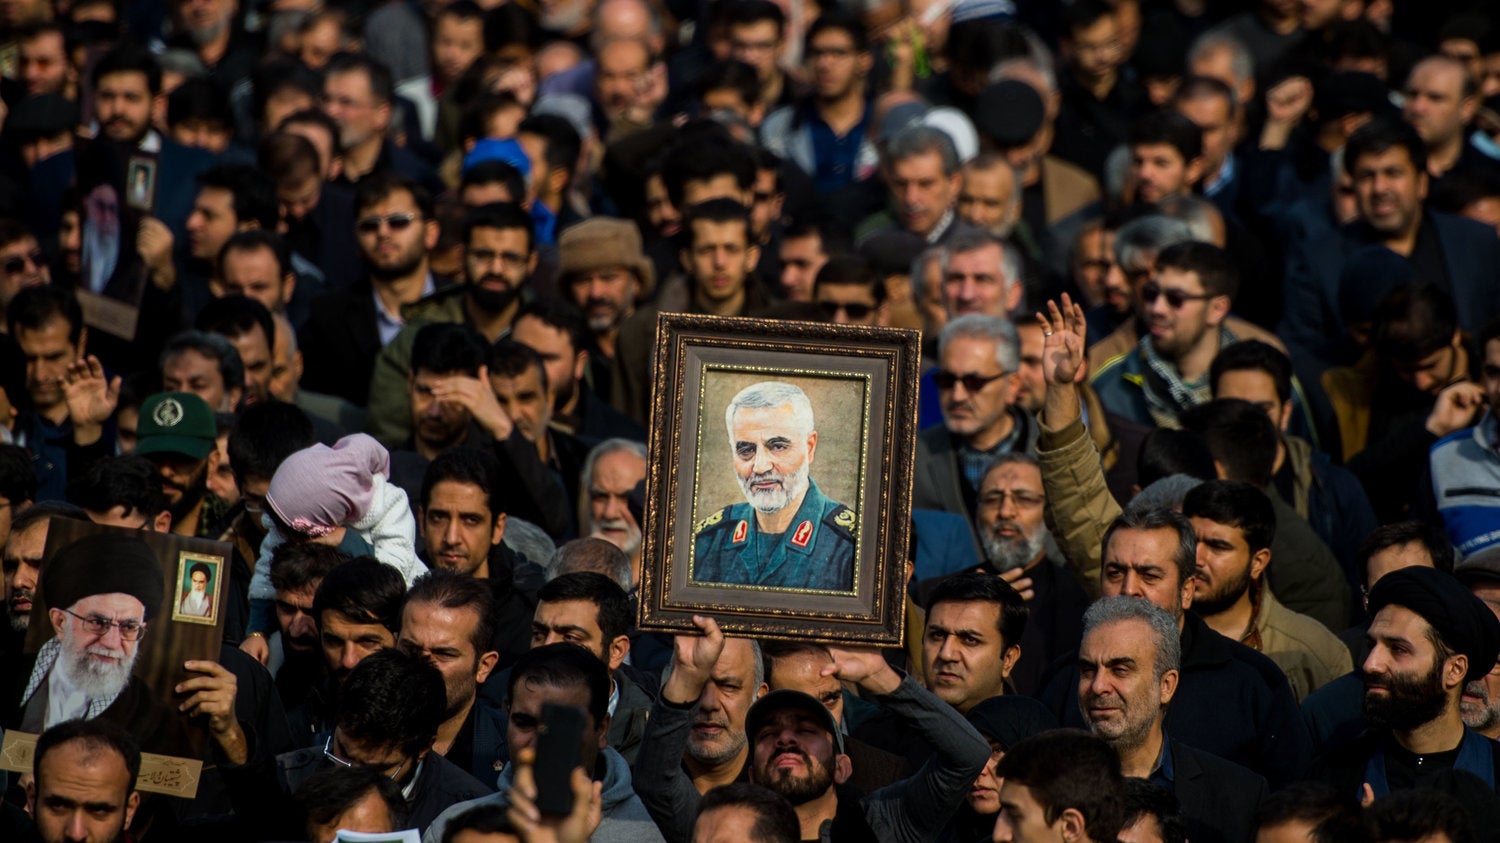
x=786, y=531
x=104, y=600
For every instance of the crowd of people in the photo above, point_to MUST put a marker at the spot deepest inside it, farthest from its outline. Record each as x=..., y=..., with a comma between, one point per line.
x=1205, y=529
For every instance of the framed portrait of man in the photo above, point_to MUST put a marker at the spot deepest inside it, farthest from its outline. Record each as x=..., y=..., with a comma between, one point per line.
x=197, y=589
x=116, y=615
x=779, y=490
x=116, y=193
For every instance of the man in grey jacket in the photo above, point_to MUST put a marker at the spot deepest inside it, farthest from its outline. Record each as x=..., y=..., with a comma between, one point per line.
x=805, y=765
x=565, y=674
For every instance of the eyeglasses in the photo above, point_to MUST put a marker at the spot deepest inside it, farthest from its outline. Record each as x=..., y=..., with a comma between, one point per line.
x=946, y=380
x=328, y=753
x=397, y=222
x=1175, y=298
x=1023, y=500
x=96, y=625
x=16, y=264
x=851, y=310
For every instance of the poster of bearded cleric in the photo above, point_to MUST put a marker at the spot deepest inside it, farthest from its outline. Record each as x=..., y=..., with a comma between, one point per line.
x=116, y=614
x=117, y=190
x=780, y=480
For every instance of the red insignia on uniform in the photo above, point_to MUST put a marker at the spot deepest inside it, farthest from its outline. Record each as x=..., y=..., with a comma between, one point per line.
x=740, y=530
x=803, y=534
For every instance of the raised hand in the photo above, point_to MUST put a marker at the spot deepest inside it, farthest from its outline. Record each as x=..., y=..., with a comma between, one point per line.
x=532, y=826
x=864, y=666
x=1457, y=407
x=693, y=660
x=476, y=396
x=1065, y=330
x=212, y=695
x=91, y=397
x=153, y=241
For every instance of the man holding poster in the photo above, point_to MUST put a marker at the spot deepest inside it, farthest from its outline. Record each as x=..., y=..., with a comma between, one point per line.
x=102, y=591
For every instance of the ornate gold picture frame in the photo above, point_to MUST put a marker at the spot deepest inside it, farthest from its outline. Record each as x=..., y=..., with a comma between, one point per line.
x=779, y=490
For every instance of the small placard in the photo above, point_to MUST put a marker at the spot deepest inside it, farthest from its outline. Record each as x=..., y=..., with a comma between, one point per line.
x=162, y=774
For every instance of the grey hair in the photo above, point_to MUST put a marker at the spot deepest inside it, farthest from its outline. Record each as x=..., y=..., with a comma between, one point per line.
x=977, y=326
x=920, y=140
x=528, y=539
x=1011, y=458
x=1148, y=235
x=1184, y=557
x=569, y=559
x=1199, y=214
x=768, y=395
x=1166, y=493
x=919, y=269
x=1241, y=62
x=599, y=452
x=1108, y=610
x=183, y=62
x=972, y=240
x=987, y=162
x=1116, y=173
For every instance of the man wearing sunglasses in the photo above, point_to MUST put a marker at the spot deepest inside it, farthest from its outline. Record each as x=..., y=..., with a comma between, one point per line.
x=1183, y=308
x=347, y=328
x=849, y=292
x=22, y=263
x=102, y=593
x=977, y=384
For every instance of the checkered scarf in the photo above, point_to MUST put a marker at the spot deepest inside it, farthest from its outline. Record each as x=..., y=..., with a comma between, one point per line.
x=45, y=659
x=1167, y=394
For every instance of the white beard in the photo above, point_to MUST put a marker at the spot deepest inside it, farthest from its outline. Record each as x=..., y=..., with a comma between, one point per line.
x=1010, y=554
x=775, y=500
x=97, y=681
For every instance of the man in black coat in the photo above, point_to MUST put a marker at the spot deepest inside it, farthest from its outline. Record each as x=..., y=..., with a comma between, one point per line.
x=1429, y=636
x=1130, y=662
x=1230, y=701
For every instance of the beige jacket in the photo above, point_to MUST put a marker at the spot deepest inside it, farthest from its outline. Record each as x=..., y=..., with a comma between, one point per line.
x=1304, y=649
x=1079, y=505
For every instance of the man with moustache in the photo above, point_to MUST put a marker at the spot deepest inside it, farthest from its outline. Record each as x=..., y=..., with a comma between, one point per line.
x=1184, y=304
x=448, y=620
x=611, y=472
x=1429, y=636
x=797, y=750
x=23, y=567
x=787, y=534
x=179, y=435
x=1235, y=523
x=1013, y=533
x=695, y=736
x=1480, y=703
x=1130, y=660
x=101, y=593
x=605, y=272
x=499, y=259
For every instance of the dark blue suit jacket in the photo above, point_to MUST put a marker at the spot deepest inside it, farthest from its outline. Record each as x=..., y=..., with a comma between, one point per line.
x=1310, y=321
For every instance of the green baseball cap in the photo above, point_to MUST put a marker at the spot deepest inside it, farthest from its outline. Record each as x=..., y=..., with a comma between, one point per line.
x=176, y=423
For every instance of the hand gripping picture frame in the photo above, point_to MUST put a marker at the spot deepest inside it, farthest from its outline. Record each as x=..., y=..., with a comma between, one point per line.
x=779, y=486
x=116, y=614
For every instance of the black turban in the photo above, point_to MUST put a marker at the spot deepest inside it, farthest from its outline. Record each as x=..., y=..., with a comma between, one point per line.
x=105, y=564
x=1462, y=620
x=1010, y=719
